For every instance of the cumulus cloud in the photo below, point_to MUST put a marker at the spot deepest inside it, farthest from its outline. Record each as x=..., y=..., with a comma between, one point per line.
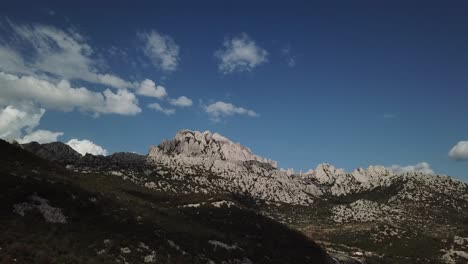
x=240, y=54
x=86, y=146
x=182, y=101
x=423, y=167
x=221, y=109
x=62, y=96
x=40, y=136
x=161, y=50
x=14, y=119
x=459, y=151
x=149, y=88
x=122, y=102
x=17, y=121
x=159, y=108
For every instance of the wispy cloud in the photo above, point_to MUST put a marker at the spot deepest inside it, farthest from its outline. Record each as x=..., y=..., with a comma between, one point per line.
x=63, y=54
x=240, y=54
x=60, y=54
x=40, y=136
x=221, y=109
x=161, y=50
x=159, y=108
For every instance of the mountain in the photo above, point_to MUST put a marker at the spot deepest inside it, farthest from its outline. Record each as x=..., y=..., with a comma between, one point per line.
x=192, y=156
x=383, y=215
x=371, y=215
x=51, y=214
x=188, y=145
x=63, y=154
x=55, y=151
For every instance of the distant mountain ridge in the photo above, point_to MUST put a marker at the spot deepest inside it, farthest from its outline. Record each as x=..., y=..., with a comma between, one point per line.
x=373, y=210
x=217, y=154
x=64, y=154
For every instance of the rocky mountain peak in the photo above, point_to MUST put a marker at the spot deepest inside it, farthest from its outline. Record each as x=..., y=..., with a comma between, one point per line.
x=371, y=173
x=54, y=151
x=207, y=145
x=325, y=173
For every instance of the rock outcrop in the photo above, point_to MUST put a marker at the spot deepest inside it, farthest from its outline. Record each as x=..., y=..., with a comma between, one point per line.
x=192, y=154
x=205, y=146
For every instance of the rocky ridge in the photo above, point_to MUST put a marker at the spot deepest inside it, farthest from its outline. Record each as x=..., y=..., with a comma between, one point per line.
x=65, y=155
x=379, y=205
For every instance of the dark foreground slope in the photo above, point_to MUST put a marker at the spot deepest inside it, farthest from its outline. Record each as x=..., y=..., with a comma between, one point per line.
x=52, y=215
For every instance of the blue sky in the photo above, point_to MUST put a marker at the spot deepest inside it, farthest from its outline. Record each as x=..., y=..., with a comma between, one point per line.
x=348, y=84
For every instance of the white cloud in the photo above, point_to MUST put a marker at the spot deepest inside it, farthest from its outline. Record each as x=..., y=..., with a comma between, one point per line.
x=14, y=119
x=159, y=108
x=240, y=54
x=11, y=61
x=459, y=151
x=40, y=136
x=423, y=167
x=86, y=146
x=62, y=96
x=37, y=65
x=221, y=109
x=149, y=88
x=56, y=56
x=122, y=102
x=57, y=53
x=161, y=50
x=114, y=81
x=182, y=101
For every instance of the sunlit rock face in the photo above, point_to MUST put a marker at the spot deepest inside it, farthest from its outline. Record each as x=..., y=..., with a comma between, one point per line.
x=238, y=170
x=217, y=164
x=208, y=146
